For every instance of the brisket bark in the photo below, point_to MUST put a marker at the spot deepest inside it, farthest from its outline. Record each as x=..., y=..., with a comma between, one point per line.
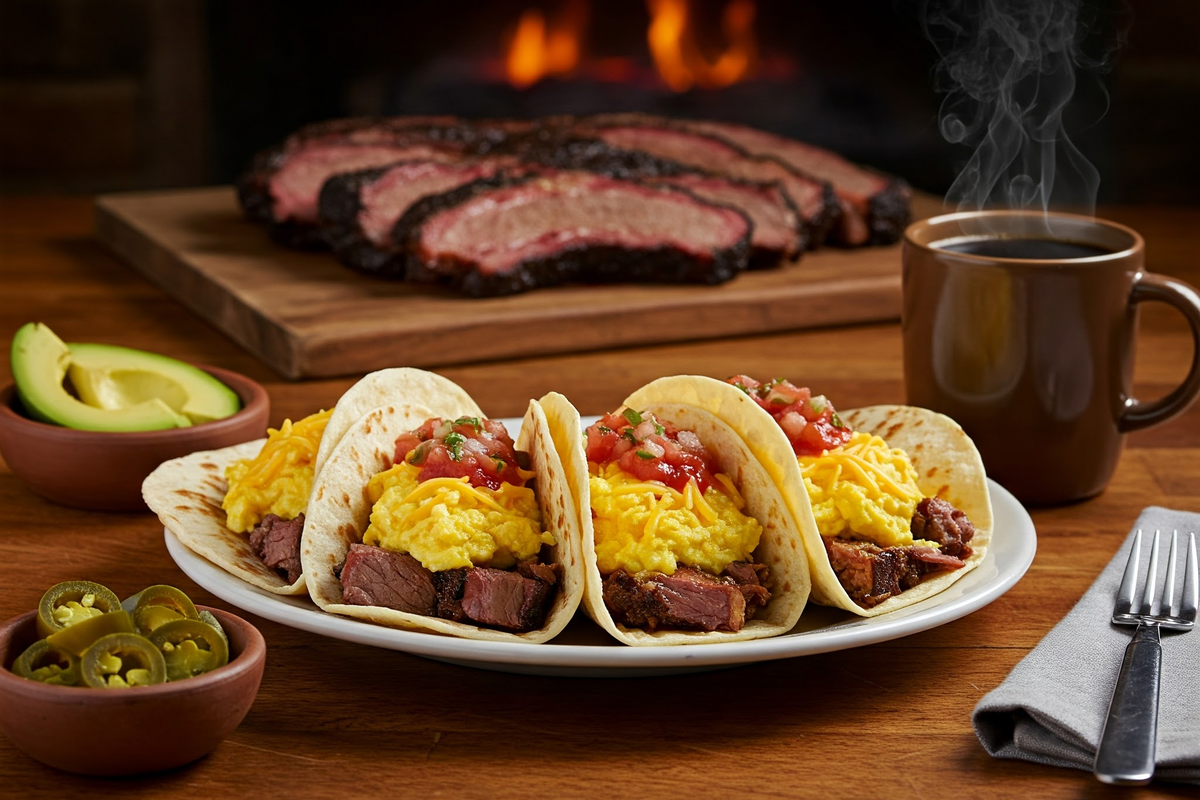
x=511, y=600
x=277, y=542
x=688, y=599
x=875, y=206
x=511, y=233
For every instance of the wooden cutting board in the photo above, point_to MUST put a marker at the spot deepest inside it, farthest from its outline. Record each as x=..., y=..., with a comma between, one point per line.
x=307, y=316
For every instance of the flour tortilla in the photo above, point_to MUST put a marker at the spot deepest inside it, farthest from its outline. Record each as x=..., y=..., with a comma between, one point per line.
x=340, y=510
x=947, y=463
x=425, y=392
x=187, y=492
x=780, y=547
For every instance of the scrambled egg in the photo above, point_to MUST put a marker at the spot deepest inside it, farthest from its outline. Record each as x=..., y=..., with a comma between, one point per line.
x=446, y=523
x=864, y=490
x=279, y=479
x=649, y=526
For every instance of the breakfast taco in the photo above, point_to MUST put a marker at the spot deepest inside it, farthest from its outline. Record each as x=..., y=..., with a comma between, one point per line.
x=892, y=501
x=446, y=525
x=685, y=538
x=243, y=507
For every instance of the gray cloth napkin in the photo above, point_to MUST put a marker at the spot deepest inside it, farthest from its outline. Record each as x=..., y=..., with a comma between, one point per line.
x=1051, y=707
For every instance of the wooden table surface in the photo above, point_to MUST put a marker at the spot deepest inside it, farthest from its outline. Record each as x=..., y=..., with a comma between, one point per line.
x=334, y=719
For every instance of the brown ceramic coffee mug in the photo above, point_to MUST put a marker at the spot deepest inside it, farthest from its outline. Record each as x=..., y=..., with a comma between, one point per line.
x=1021, y=327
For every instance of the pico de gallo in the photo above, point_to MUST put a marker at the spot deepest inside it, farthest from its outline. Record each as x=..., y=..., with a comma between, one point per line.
x=811, y=423
x=650, y=450
x=472, y=447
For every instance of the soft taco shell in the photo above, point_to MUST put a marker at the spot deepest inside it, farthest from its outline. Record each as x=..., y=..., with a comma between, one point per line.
x=340, y=511
x=946, y=461
x=780, y=547
x=425, y=392
x=187, y=493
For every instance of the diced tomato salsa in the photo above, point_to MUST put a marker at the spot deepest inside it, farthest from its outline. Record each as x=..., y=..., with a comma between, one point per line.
x=811, y=423
x=479, y=449
x=651, y=450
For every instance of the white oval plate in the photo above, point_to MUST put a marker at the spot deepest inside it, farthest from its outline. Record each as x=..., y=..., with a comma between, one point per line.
x=585, y=650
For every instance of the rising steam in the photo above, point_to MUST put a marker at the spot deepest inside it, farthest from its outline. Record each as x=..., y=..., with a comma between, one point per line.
x=1009, y=71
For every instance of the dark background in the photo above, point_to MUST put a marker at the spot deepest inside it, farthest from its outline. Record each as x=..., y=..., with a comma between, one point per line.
x=99, y=95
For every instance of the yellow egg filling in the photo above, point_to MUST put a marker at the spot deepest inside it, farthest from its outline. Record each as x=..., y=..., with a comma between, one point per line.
x=279, y=479
x=446, y=523
x=642, y=525
x=864, y=490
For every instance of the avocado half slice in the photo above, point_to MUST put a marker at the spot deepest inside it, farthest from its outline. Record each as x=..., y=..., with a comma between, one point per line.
x=119, y=389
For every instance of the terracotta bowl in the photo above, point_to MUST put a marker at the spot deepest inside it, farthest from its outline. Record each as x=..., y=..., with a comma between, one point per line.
x=104, y=471
x=128, y=731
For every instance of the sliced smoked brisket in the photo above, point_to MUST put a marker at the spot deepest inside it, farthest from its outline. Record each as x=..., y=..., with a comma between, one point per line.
x=688, y=599
x=277, y=542
x=359, y=210
x=875, y=206
x=776, y=233
x=511, y=600
x=813, y=199
x=283, y=184
x=515, y=233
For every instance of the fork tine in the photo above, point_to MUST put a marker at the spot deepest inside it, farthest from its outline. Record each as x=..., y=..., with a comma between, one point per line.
x=1147, y=606
x=1167, y=603
x=1190, y=587
x=1128, y=590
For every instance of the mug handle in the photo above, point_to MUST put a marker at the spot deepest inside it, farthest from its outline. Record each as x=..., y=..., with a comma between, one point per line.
x=1150, y=286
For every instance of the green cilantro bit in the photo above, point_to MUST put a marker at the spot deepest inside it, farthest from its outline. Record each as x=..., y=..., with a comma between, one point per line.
x=500, y=464
x=454, y=443
x=836, y=420
x=628, y=434
x=659, y=429
x=647, y=456
x=604, y=429
x=634, y=417
x=472, y=421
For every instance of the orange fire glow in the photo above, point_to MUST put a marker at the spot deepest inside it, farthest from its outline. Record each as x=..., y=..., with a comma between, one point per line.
x=536, y=52
x=677, y=54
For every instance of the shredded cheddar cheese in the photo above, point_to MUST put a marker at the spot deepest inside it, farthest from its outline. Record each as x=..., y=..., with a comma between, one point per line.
x=279, y=479
x=446, y=523
x=864, y=490
x=646, y=525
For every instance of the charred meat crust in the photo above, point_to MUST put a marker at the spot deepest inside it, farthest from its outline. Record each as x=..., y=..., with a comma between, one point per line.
x=587, y=263
x=889, y=213
x=339, y=207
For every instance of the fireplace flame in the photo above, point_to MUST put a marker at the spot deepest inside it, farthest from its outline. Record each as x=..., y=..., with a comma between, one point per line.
x=536, y=52
x=678, y=56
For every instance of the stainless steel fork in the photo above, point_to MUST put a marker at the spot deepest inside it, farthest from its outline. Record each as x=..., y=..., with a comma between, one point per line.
x=1126, y=753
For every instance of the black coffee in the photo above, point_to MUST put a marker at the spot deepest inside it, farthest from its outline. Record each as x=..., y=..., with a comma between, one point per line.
x=1025, y=248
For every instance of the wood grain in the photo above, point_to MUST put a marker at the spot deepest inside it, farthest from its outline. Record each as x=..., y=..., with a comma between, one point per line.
x=307, y=316
x=334, y=719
